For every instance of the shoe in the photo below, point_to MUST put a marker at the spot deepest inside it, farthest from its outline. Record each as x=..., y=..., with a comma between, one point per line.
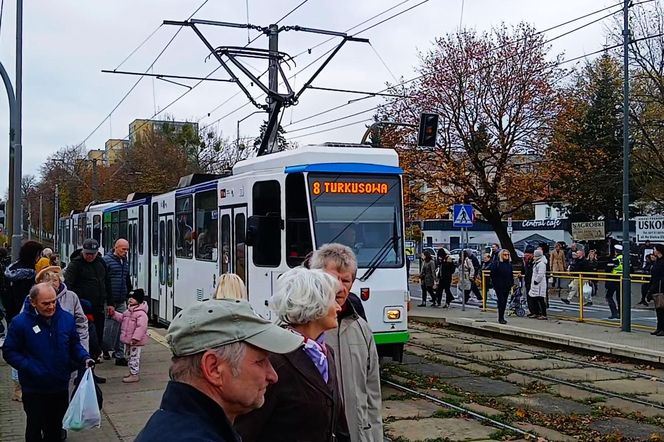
x=106, y=355
x=131, y=379
x=446, y=305
x=655, y=332
x=531, y=315
x=99, y=379
x=660, y=333
x=422, y=305
x=542, y=318
x=502, y=321
x=642, y=303
x=588, y=304
x=614, y=317
x=122, y=362
x=565, y=300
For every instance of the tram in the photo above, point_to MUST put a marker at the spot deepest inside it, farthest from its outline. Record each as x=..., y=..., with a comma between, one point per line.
x=262, y=219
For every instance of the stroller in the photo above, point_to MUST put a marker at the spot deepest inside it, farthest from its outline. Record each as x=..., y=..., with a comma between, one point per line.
x=518, y=303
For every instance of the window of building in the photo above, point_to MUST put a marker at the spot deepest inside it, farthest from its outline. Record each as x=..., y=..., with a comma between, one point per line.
x=184, y=240
x=206, y=219
x=141, y=229
x=298, y=230
x=266, y=199
x=548, y=213
x=155, y=229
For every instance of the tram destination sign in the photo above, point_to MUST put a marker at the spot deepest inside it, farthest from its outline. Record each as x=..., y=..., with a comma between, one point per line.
x=650, y=228
x=588, y=231
x=350, y=187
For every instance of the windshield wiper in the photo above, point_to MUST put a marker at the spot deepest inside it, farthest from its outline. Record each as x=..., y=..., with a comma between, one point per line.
x=379, y=257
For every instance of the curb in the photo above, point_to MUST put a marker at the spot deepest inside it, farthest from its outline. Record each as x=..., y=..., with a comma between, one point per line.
x=641, y=354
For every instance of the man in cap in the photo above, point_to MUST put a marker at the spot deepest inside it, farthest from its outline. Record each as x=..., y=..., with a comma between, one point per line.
x=220, y=370
x=86, y=275
x=616, y=267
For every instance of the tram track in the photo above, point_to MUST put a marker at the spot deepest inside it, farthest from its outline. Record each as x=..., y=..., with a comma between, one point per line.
x=477, y=416
x=538, y=376
x=548, y=355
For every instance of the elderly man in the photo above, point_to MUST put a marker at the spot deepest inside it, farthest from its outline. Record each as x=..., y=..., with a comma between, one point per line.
x=86, y=276
x=355, y=349
x=220, y=370
x=117, y=268
x=43, y=344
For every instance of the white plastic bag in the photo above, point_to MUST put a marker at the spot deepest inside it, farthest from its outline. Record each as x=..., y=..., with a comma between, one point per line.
x=587, y=292
x=83, y=411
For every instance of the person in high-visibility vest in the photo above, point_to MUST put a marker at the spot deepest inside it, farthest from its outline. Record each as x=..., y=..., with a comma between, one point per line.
x=612, y=287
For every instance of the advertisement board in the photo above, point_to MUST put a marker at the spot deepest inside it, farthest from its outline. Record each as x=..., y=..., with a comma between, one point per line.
x=650, y=228
x=588, y=231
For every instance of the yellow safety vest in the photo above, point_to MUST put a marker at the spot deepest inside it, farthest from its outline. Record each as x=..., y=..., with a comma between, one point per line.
x=618, y=269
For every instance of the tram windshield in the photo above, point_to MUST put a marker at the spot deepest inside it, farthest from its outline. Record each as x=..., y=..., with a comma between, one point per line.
x=362, y=212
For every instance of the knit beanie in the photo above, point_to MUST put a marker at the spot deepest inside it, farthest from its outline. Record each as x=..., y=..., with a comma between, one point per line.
x=138, y=295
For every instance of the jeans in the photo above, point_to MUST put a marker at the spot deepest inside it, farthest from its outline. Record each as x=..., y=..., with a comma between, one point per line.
x=114, y=328
x=44, y=413
x=611, y=290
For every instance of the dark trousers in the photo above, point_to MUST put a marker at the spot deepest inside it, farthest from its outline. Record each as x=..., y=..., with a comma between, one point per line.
x=44, y=413
x=611, y=290
x=644, y=293
x=425, y=290
x=444, y=286
x=474, y=289
x=100, y=320
x=502, y=303
x=660, y=319
x=539, y=305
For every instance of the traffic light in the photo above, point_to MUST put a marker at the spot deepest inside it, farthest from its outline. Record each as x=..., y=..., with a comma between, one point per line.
x=428, y=130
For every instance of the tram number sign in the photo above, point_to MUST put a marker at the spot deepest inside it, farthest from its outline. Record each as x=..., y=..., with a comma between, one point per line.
x=650, y=228
x=349, y=187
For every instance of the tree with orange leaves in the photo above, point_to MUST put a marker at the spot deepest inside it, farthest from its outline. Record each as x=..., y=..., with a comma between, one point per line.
x=496, y=98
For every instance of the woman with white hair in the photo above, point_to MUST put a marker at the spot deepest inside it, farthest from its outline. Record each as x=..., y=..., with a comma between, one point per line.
x=538, y=285
x=305, y=404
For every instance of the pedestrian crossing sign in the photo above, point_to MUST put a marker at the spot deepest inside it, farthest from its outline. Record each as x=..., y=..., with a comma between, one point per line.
x=462, y=215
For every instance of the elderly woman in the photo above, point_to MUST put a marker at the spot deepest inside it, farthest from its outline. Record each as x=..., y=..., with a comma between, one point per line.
x=305, y=403
x=502, y=278
x=538, y=284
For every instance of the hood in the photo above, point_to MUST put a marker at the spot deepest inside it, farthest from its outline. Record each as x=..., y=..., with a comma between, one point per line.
x=15, y=273
x=143, y=306
x=61, y=291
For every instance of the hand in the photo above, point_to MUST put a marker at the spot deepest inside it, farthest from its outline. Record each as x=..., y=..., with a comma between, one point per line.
x=110, y=310
x=89, y=363
x=134, y=341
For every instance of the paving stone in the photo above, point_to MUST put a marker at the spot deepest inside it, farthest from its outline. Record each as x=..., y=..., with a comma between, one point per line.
x=482, y=409
x=453, y=429
x=657, y=398
x=409, y=359
x=501, y=355
x=477, y=368
x=547, y=433
x=387, y=391
x=548, y=404
x=631, y=386
x=573, y=393
x=409, y=408
x=540, y=364
x=627, y=428
x=630, y=407
x=523, y=379
x=439, y=370
x=585, y=374
x=450, y=360
x=484, y=386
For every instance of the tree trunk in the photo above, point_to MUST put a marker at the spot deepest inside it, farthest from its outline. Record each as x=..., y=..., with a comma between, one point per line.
x=503, y=237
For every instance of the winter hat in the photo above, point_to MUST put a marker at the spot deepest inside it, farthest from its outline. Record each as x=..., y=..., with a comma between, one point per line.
x=138, y=295
x=42, y=264
x=42, y=273
x=618, y=247
x=538, y=253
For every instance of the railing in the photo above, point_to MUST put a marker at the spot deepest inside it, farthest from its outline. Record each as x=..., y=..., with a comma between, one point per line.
x=580, y=278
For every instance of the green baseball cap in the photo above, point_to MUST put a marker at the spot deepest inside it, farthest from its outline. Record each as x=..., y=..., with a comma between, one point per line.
x=216, y=322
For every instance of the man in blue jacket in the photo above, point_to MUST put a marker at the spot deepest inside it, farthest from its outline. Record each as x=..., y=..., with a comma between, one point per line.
x=117, y=270
x=43, y=345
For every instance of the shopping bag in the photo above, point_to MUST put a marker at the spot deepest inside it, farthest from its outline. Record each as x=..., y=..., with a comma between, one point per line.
x=83, y=411
x=587, y=292
x=111, y=333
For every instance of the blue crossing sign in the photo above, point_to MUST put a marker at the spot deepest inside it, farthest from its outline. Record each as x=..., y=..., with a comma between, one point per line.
x=462, y=215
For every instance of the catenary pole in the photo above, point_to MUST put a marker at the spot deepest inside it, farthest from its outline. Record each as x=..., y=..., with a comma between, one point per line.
x=273, y=84
x=626, y=302
x=17, y=232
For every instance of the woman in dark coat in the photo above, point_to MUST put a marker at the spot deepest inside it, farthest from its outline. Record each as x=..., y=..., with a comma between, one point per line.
x=427, y=279
x=305, y=404
x=657, y=285
x=20, y=277
x=503, y=279
x=445, y=271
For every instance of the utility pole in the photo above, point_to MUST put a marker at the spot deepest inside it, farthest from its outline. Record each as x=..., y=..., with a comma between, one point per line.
x=56, y=219
x=626, y=302
x=95, y=181
x=41, y=217
x=29, y=221
x=273, y=36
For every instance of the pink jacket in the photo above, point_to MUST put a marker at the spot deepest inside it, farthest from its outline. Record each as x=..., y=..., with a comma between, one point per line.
x=134, y=324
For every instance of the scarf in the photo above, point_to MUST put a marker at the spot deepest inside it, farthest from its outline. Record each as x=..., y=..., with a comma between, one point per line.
x=316, y=351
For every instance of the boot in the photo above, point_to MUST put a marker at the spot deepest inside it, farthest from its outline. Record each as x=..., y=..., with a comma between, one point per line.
x=18, y=393
x=131, y=379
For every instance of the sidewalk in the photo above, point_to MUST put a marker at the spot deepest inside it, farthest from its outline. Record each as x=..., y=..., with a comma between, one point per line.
x=127, y=407
x=598, y=338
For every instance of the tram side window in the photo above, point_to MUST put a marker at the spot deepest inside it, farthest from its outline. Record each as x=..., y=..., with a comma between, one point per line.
x=225, y=243
x=115, y=227
x=184, y=241
x=141, y=229
x=81, y=230
x=266, y=199
x=240, y=246
x=123, y=225
x=298, y=229
x=96, y=227
x=206, y=219
x=155, y=228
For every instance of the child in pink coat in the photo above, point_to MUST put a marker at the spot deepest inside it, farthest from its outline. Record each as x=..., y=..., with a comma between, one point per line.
x=133, y=331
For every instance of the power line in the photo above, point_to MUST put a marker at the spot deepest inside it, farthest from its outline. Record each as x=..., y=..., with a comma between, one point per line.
x=138, y=47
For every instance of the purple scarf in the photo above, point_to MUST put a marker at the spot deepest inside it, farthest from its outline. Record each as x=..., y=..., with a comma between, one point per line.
x=317, y=352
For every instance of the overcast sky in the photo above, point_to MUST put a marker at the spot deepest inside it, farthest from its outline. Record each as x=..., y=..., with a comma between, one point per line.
x=67, y=43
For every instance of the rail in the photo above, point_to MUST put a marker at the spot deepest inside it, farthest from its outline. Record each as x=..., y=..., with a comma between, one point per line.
x=581, y=278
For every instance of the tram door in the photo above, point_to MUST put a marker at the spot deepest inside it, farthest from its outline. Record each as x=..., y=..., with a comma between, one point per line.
x=233, y=230
x=166, y=267
x=133, y=252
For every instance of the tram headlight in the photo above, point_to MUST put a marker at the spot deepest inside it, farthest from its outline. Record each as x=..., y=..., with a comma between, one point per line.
x=392, y=314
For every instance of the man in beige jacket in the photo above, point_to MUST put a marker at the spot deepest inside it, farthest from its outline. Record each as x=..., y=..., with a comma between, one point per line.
x=356, y=355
